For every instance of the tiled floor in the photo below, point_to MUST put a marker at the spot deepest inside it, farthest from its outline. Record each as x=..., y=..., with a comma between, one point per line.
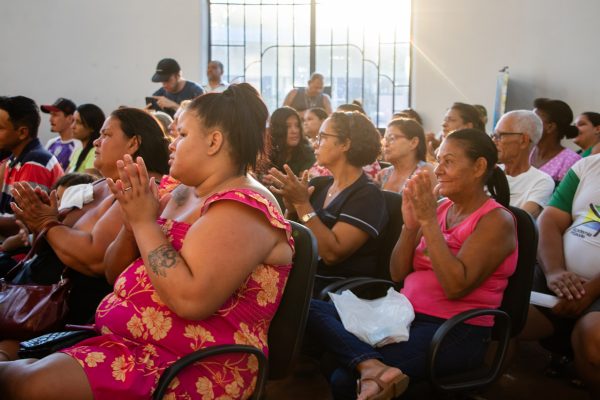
x=523, y=380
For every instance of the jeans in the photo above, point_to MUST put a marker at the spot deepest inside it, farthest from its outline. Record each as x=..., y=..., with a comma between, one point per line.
x=463, y=348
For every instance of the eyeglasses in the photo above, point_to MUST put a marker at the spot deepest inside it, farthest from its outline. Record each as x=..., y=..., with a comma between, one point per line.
x=392, y=138
x=497, y=136
x=321, y=135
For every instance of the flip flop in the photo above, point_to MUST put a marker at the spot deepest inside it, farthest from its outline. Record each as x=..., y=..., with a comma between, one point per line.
x=388, y=390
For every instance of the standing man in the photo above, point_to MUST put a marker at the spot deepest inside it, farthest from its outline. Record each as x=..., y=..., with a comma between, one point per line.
x=61, y=120
x=214, y=72
x=28, y=161
x=301, y=99
x=174, y=88
x=515, y=135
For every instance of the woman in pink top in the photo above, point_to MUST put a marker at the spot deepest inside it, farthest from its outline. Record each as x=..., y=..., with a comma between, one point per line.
x=452, y=257
x=180, y=286
x=549, y=155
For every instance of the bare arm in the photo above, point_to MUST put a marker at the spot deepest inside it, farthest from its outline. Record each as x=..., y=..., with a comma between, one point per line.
x=83, y=246
x=533, y=208
x=552, y=224
x=461, y=273
x=327, y=104
x=197, y=270
x=119, y=254
x=289, y=98
x=335, y=244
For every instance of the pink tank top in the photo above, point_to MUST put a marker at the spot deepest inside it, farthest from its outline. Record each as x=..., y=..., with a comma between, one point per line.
x=423, y=289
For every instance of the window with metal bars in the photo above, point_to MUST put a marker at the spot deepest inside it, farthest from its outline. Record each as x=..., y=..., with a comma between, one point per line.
x=362, y=47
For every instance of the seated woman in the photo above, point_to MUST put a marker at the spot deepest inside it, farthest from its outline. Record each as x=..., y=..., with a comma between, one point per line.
x=290, y=145
x=345, y=211
x=549, y=155
x=440, y=259
x=87, y=122
x=568, y=253
x=458, y=116
x=405, y=148
x=80, y=240
x=313, y=118
x=184, y=288
x=588, y=125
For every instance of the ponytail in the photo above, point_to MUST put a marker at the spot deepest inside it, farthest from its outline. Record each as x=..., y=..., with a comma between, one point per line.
x=497, y=185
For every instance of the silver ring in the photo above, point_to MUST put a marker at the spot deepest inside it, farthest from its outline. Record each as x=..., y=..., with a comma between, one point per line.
x=126, y=189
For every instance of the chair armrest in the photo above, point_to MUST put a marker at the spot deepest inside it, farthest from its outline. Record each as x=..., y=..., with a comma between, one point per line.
x=360, y=282
x=502, y=326
x=171, y=372
x=335, y=285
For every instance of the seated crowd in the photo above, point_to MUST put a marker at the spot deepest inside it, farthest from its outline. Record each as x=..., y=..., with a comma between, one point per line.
x=140, y=208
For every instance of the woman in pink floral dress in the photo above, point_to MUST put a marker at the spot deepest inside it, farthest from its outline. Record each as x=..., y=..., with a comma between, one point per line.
x=190, y=279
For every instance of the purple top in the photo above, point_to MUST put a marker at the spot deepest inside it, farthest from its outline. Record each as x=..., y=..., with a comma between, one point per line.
x=558, y=166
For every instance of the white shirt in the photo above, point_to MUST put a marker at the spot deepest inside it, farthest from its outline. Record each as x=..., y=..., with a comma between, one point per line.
x=581, y=241
x=532, y=185
x=220, y=88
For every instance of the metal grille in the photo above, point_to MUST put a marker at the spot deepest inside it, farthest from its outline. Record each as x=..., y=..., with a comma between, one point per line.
x=362, y=47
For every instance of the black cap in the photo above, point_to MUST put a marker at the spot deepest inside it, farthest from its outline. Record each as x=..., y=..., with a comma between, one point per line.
x=61, y=104
x=164, y=69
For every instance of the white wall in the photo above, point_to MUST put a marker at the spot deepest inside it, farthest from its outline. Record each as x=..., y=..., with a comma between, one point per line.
x=101, y=52
x=550, y=47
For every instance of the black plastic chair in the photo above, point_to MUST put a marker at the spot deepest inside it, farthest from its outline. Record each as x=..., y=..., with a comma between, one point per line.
x=510, y=317
x=287, y=327
x=386, y=242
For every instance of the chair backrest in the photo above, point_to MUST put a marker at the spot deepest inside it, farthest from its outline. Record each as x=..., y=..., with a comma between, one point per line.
x=288, y=324
x=515, y=301
x=389, y=236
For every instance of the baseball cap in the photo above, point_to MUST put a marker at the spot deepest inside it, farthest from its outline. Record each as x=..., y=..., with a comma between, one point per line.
x=61, y=104
x=164, y=69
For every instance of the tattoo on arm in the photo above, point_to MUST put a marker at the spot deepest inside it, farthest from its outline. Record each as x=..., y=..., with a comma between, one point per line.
x=162, y=258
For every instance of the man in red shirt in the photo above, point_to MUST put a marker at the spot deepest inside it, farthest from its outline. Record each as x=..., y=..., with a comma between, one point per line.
x=28, y=160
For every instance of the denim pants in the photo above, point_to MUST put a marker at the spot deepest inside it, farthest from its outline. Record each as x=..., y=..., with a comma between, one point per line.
x=463, y=348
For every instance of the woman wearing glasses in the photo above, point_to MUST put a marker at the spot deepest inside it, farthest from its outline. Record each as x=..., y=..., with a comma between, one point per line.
x=345, y=211
x=405, y=148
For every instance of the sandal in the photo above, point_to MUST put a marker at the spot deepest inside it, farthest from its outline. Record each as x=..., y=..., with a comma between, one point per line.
x=388, y=390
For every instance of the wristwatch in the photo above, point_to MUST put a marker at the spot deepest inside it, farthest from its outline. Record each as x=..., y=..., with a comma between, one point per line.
x=307, y=217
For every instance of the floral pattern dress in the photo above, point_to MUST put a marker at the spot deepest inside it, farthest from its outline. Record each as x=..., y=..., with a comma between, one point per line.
x=140, y=336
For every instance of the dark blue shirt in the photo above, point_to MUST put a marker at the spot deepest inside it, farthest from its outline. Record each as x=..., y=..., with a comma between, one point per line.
x=190, y=91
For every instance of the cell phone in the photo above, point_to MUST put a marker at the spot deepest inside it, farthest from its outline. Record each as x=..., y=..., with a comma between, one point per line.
x=152, y=100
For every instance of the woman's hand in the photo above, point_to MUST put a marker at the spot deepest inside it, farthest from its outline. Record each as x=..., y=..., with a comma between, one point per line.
x=573, y=308
x=421, y=204
x=33, y=206
x=136, y=192
x=566, y=285
x=295, y=191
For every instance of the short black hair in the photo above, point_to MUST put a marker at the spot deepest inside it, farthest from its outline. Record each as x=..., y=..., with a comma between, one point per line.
x=242, y=115
x=22, y=111
x=469, y=114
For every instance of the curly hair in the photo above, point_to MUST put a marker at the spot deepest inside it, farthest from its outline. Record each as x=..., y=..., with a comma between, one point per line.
x=365, y=139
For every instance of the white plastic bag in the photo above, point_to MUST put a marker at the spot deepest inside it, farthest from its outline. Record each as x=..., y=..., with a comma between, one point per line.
x=377, y=322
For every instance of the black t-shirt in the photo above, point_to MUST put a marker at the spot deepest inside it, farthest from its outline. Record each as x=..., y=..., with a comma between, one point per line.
x=190, y=91
x=361, y=205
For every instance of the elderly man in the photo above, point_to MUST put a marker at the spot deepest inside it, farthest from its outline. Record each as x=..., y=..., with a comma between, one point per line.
x=515, y=135
x=301, y=99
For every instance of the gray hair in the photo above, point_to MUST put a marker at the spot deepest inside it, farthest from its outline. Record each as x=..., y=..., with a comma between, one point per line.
x=527, y=122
